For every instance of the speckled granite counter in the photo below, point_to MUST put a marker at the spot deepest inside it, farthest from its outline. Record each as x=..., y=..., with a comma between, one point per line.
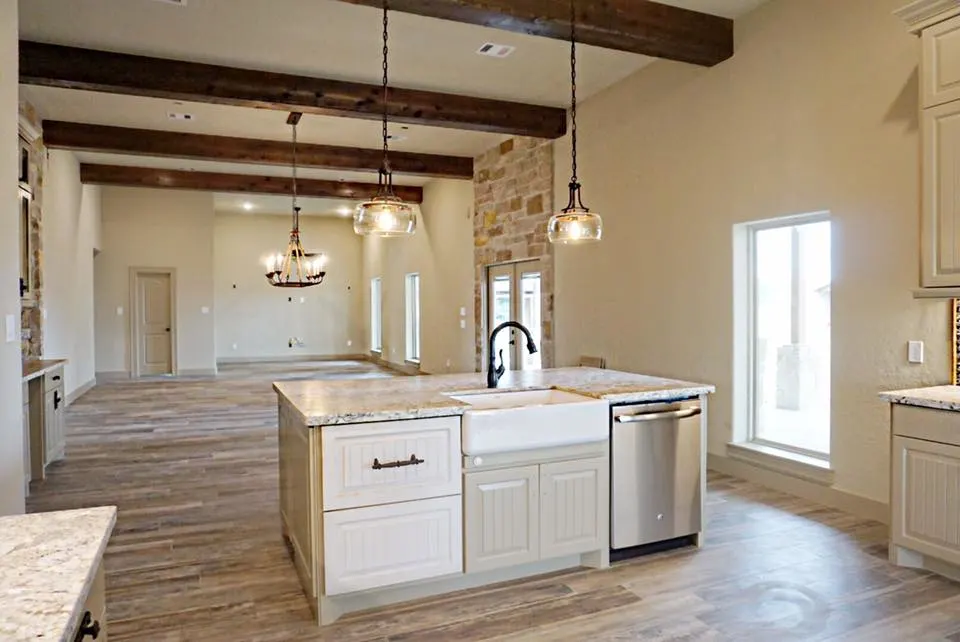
x=939, y=397
x=34, y=368
x=47, y=565
x=362, y=400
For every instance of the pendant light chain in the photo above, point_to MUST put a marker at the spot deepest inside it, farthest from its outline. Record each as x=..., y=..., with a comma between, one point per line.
x=573, y=86
x=296, y=209
x=386, y=51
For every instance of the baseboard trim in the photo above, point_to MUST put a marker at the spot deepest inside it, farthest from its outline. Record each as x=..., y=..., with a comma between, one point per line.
x=292, y=358
x=81, y=390
x=111, y=376
x=812, y=491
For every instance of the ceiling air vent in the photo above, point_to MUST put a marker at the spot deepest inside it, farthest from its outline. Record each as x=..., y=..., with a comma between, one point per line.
x=176, y=115
x=496, y=51
x=179, y=3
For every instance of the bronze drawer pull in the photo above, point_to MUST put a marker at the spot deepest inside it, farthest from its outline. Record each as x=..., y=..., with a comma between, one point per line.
x=413, y=461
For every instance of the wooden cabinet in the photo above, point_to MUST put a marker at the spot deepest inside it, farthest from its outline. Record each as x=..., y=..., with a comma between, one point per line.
x=940, y=240
x=538, y=512
x=571, y=513
x=926, y=498
x=26, y=439
x=379, y=546
x=53, y=421
x=502, y=518
x=940, y=69
x=96, y=606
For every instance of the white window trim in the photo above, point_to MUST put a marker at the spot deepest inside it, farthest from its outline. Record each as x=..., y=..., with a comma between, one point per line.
x=376, y=316
x=412, y=352
x=745, y=446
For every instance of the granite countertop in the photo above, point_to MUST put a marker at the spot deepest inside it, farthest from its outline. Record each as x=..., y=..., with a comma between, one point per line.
x=33, y=368
x=361, y=400
x=939, y=397
x=48, y=562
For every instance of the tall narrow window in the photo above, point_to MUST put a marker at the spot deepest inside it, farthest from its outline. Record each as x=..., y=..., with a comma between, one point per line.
x=412, y=298
x=376, y=315
x=789, y=321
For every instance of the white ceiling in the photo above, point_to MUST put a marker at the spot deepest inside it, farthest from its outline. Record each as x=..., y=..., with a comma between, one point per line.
x=313, y=37
x=247, y=204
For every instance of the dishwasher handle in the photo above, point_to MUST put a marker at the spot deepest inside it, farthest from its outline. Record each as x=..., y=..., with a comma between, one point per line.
x=685, y=413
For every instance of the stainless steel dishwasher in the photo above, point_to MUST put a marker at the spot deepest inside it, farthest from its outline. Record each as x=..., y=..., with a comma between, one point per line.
x=655, y=478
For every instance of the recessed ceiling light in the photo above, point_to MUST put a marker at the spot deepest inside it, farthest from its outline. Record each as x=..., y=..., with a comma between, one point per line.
x=247, y=205
x=494, y=50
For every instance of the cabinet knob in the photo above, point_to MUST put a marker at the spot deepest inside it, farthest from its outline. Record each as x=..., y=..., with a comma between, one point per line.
x=478, y=461
x=88, y=627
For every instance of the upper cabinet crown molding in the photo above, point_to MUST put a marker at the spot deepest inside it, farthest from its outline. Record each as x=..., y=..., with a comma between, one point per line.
x=924, y=13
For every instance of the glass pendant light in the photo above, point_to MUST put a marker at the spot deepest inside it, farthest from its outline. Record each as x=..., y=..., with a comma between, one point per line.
x=385, y=214
x=575, y=223
x=295, y=268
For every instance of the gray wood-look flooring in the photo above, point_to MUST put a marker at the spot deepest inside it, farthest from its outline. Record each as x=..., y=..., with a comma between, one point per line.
x=197, y=553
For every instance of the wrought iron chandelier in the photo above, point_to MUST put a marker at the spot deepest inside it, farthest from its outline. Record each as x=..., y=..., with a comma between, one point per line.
x=385, y=214
x=575, y=223
x=295, y=268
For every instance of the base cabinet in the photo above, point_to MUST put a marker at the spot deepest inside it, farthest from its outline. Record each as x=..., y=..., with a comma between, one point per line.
x=539, y=512
x=54, y=438
x=93, y=624
x=926, y=498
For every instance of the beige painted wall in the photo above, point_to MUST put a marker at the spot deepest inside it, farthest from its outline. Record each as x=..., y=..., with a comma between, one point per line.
x=11, y=425
x=71, y=217
x=257, y=318
x=816, y=111
x=155, y=228
x=442, y=253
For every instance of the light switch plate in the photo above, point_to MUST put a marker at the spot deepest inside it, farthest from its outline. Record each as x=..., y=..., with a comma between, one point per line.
x=463, y=324
x=119, y=310
x=204, y=310
x=11, y=324
x=915, y=351
x=463, y=312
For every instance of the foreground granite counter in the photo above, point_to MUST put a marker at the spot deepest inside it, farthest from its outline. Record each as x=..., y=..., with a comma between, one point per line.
x=361, y=400
x=33, y=368
x=937, y=397
x=48, y=562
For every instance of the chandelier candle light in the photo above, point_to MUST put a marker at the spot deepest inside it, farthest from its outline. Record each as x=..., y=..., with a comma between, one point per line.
x=575, y=223
x=295, y=268
x=385, y=214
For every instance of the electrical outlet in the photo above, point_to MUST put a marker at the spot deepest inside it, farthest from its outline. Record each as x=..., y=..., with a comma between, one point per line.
x=463, y=312
x=11, y=323
x=119, y=310
x=915, y=351
x=349, y=343
x=204, y=310
x=463, y=324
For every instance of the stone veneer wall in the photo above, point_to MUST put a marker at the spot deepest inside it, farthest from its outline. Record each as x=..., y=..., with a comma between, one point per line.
x=31, y=308
x=513, y=186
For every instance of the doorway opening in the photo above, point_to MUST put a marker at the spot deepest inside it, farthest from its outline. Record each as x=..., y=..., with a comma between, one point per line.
x=152, y=327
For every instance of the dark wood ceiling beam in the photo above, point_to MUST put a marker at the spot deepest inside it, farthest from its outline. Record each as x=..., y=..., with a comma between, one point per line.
x=637, y=26
x=145, y=142
x=74, y=68
x=242, y=183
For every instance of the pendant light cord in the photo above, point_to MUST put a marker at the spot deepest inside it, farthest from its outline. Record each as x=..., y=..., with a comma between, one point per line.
x=296, y=209
x=573, y=87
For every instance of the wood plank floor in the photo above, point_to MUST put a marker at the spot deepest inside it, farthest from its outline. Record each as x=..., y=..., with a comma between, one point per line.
x=197, y=552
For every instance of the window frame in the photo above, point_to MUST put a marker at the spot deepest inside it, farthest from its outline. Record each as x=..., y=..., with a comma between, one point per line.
x=413, y=320
x=376, y=315
x=752, y=305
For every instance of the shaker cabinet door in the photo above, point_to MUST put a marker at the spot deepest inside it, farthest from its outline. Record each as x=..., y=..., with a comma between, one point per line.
x=940, y=71
x=940, y=229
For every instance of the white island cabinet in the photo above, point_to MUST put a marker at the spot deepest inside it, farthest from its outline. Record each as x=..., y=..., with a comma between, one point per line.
x=381, y=504
x=925, y=479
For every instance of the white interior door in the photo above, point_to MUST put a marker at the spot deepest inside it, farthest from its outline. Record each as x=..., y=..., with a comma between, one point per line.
x=514, y=293
x=154, y=324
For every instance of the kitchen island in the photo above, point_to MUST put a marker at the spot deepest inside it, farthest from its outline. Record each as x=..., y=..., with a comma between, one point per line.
x=51, y=574
x=925, y=478
x=395, y=489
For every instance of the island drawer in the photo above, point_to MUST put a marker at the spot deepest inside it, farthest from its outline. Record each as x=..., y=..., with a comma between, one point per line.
x=393, y=461
x=53, y=380
x=376, y=546
x=929, y=424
